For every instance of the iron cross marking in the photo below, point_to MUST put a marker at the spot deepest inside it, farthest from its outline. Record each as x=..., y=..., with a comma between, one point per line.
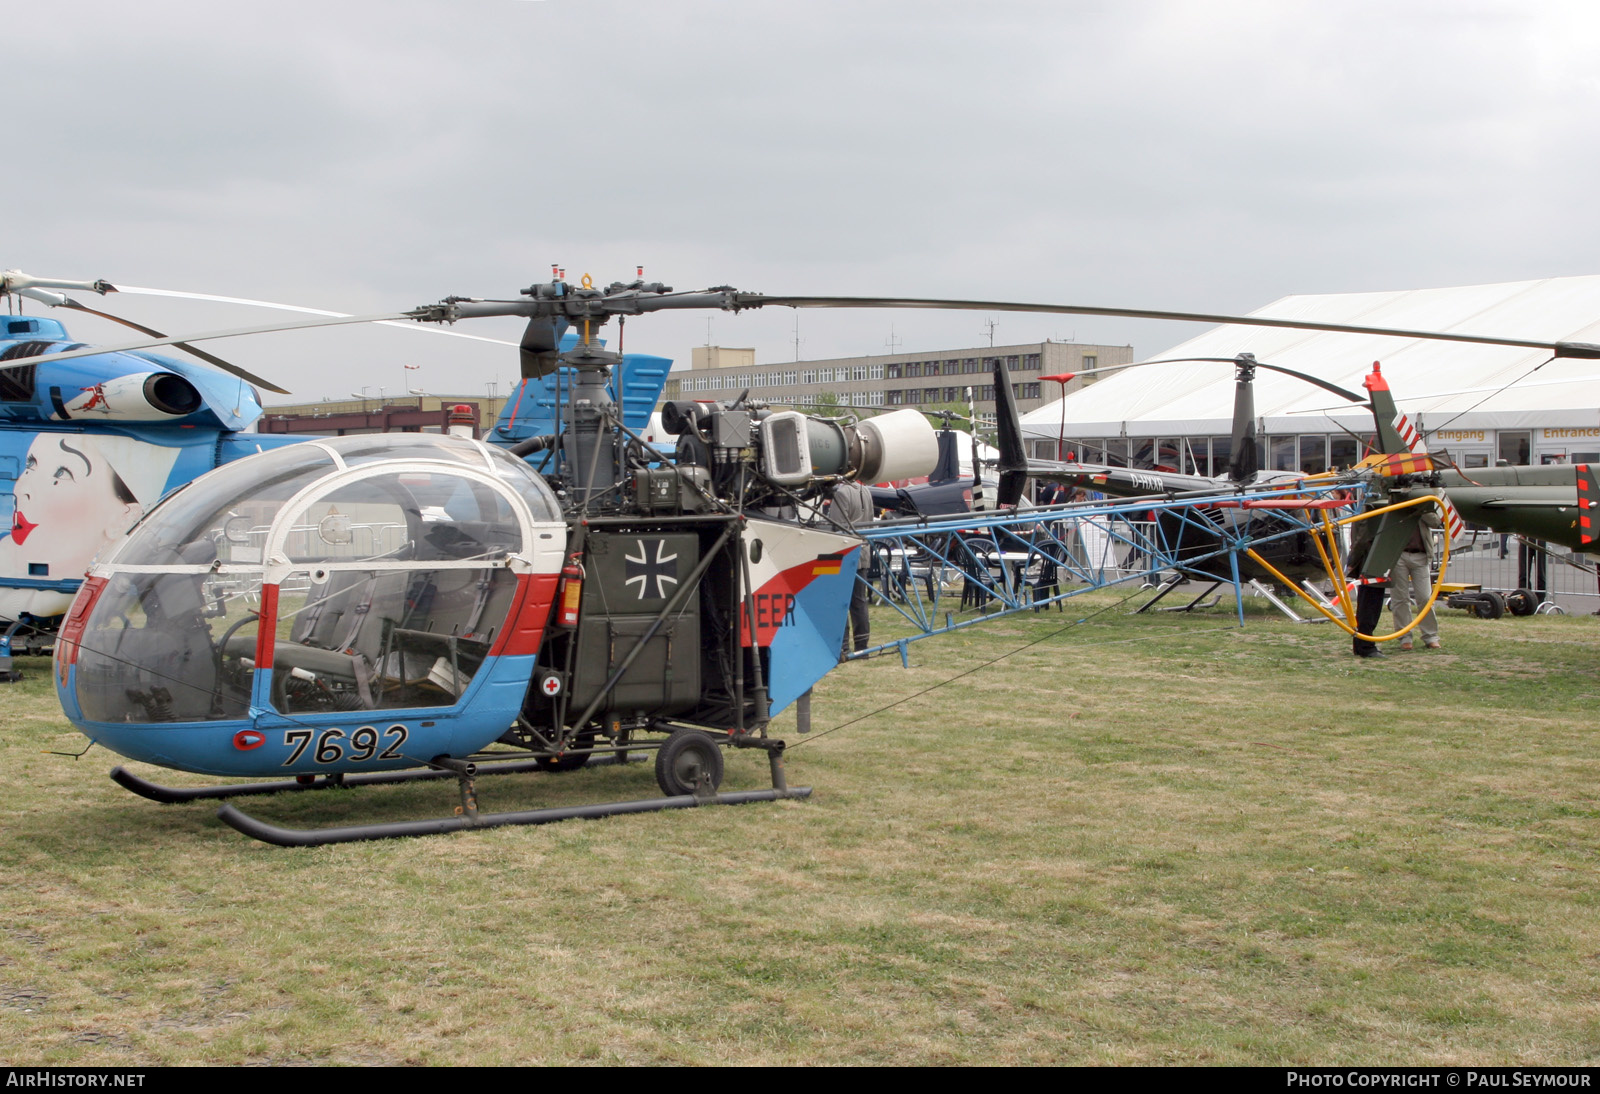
x=644, y=570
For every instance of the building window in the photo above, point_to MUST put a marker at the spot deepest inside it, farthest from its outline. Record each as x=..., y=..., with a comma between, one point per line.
x=1011, y=362
x=894, y=372
x=1090, y=361
x=971, y=365
x=914, y=368
x=860, y=372
x=1345, y=452
x=1516, y=446
x=897, y=398
x=875, y=372
x=808, y=376
x=1313, y=453
x=1030, y=391
x=1031, y=361
x=874, y=398
x=1281, y=453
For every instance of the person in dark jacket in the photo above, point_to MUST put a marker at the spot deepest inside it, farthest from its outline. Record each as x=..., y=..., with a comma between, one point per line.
x=852, y=508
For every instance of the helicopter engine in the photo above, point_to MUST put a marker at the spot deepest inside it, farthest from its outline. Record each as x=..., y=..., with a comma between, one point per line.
x=778, y=454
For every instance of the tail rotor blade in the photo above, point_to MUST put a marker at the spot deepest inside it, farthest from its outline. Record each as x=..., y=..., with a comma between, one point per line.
x=1013, y=455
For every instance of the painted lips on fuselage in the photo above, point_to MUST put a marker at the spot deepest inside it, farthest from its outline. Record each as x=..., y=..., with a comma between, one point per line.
x=20, y=527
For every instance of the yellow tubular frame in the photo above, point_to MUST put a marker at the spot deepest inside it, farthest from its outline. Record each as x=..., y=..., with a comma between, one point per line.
x=1335, y=571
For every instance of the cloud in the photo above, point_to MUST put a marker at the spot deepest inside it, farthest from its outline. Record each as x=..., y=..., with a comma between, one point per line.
x=366, y=156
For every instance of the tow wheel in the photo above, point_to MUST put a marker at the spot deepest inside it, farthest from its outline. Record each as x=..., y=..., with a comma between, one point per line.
x=687, y=755
x=1522, y=602
x=1489, y=606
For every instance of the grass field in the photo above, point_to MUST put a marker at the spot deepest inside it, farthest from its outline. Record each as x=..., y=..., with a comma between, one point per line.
x=1134, y=840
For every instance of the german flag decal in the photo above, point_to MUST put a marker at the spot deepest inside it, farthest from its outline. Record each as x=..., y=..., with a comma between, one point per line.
x=827, y=564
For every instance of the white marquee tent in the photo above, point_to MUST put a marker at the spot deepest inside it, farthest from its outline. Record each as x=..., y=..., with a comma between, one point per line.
x=1439, y=384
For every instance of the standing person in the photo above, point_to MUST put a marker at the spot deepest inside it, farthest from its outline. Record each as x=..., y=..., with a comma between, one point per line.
x=852, y=507
x=1369, y=610
x=1411, y=581
x=1369, y=592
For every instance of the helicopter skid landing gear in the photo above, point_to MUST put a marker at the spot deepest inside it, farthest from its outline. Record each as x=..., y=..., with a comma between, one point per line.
x=172, y=795
x=468, y=817
x=317, y=837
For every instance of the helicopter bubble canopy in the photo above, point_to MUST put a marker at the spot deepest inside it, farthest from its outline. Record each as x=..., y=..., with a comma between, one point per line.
x=330, y=579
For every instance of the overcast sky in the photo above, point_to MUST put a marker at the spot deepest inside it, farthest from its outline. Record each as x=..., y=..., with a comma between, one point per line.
x=370, y=155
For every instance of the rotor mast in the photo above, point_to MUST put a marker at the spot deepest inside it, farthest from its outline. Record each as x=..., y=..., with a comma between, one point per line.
x=590, y=448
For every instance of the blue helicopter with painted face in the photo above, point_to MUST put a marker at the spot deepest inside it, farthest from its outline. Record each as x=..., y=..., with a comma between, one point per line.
x=88, y=445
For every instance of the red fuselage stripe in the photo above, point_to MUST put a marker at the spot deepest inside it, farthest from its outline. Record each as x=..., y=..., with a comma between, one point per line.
x=526, y=621
x=266, y=626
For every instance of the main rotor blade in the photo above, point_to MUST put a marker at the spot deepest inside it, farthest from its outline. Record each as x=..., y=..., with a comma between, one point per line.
x=18, y=282
x=137, y=290
x=1586, y=350
x=209, y=358
x=1296, y=373
x=128, y=347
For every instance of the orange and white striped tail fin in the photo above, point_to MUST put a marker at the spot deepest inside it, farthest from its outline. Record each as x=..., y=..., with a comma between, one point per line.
x=1399, y=463
x=1408, y=434
x=1454, y=526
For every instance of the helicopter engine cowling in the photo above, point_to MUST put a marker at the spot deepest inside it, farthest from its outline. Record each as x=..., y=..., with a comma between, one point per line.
x=790, y=450
x=797, y=448
x=137, y=397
